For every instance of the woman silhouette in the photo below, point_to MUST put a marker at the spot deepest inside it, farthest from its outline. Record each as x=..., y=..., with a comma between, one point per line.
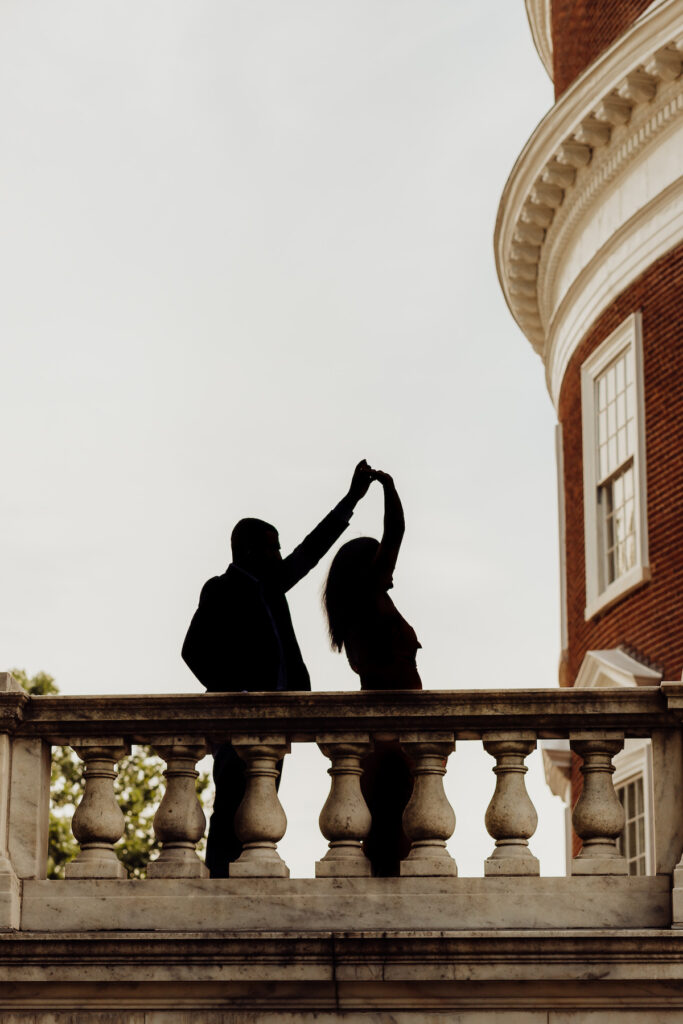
x=379, y=643
x=381, y=648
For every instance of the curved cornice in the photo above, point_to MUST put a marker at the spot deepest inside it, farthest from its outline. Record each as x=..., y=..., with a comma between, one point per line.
x=606, y=119
x=630, y=216
x=539, y=15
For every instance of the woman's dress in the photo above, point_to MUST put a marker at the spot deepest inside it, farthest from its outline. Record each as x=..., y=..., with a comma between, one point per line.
x=381, y=649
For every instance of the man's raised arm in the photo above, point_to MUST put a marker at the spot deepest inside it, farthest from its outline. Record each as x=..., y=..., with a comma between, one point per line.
x=312, y=548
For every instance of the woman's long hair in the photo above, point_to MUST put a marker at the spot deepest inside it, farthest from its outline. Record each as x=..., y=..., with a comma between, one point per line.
x=348, y=586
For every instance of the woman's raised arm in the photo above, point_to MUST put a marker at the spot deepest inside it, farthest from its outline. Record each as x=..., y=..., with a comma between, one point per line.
x=394, y=528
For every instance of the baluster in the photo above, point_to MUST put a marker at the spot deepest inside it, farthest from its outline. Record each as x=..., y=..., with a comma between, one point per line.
x=98, y=821
x=598, y=816
x=260, y=822
x=345, y=819
x=511, y=817
x=179, y=822
x=428, y=820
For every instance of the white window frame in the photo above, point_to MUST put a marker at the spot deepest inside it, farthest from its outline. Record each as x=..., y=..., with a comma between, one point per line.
x=633, y=762
x=629, y=334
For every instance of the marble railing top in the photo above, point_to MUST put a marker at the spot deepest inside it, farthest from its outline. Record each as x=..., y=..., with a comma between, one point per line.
x=466, y=714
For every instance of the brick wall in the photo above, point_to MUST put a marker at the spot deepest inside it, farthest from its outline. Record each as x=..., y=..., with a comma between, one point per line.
x=649, y=619
x=582, y=29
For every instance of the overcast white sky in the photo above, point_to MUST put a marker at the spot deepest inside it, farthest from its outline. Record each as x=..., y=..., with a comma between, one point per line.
x=244, y=245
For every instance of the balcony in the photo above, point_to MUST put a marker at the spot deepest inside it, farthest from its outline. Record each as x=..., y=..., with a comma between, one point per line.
x=179, y=945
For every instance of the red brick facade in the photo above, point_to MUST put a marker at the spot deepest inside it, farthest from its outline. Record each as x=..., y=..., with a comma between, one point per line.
x=649, y=619
x=582, y=29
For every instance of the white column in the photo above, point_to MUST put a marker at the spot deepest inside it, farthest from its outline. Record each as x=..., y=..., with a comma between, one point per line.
x=345, y=819
x=179, y=822
x=598, y=817
x=260, y=822
x=511, y=817
x=98, y=821
x=428, y=820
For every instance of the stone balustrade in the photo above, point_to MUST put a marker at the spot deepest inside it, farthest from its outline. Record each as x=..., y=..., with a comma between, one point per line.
x=263, y=728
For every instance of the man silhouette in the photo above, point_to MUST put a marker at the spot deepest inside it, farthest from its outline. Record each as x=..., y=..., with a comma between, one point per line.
x=241, y=638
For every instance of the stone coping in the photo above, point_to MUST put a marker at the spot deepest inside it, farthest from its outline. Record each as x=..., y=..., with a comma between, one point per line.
x=348, y=905
x=468, y=714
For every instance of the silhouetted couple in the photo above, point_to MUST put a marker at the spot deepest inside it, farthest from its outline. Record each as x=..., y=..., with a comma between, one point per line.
x=241, y=638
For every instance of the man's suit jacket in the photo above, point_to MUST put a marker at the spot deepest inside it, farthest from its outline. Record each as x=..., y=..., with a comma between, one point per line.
x=241, y=636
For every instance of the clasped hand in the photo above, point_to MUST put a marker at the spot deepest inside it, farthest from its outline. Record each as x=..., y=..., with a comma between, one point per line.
x=363, y=475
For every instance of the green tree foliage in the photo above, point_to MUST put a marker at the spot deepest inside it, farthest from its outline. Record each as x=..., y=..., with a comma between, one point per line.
x=138, y=787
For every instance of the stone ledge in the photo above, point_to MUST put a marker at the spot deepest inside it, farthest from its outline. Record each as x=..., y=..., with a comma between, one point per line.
x=303, y=716
x=480, y=973
x=345, y=905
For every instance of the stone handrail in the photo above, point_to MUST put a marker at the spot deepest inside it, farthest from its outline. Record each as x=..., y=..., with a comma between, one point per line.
x=467, y=713
x=428, y=724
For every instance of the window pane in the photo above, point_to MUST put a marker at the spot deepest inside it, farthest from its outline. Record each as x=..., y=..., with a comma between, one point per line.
x=620, y=374
x=631, y=432
x=631, y=837
x=633, y=841
x=610, y=384
x=619, y=527
x=604, y=463
x=611, y=575
x=618, y=491
x=616, y=507
x=615, y=449
x=602, y=427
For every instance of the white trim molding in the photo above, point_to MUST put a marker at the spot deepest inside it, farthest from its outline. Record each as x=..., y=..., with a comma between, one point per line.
x=601, y=592
x=614, y=667
x=540, y=22
x=557, y=768
x=597, y=193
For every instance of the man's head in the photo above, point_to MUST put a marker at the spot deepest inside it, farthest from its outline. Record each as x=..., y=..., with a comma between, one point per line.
x=255, y=547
